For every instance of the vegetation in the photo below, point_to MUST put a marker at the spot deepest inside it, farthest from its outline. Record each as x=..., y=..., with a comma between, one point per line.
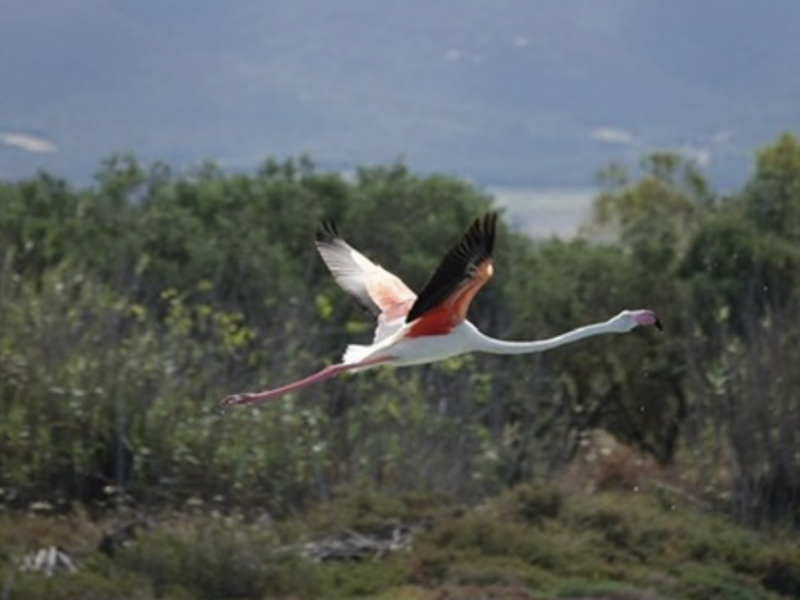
x=531, y=542
x=128, y=308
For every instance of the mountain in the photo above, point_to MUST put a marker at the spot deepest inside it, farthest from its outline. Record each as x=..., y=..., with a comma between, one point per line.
x=505, y=93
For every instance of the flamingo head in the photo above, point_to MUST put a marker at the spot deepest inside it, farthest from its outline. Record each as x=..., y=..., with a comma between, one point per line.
x=630, y=319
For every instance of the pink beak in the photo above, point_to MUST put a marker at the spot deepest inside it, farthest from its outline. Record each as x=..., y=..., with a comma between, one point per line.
x=648, y=317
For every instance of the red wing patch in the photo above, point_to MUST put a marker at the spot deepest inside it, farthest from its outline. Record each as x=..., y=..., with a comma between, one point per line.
x=438, y=321
x=442, y=319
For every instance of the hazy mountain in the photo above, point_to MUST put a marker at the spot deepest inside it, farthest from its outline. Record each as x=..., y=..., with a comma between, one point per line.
x=509, y=92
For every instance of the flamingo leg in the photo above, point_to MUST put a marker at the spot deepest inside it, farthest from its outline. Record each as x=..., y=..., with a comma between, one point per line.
x=248, y=399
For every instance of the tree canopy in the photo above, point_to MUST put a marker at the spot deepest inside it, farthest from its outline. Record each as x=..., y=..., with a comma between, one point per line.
x=130, y=306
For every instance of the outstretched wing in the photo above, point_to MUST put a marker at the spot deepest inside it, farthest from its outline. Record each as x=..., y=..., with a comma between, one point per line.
x=462, y=272
x=381, y=293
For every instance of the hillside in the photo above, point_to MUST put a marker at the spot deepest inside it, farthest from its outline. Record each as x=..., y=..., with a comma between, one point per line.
x=513, y=94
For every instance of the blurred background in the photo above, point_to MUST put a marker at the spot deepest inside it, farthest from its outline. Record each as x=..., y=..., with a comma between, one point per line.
x=526, y=100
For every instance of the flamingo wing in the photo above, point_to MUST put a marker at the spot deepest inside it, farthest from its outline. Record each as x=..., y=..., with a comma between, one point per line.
x=445, y=299
x=379, y=292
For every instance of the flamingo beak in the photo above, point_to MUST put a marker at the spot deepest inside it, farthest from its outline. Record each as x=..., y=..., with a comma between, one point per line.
x=648, y=317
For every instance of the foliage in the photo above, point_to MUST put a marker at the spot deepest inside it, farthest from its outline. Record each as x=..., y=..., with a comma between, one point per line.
x=130, y=306
x=617, y=545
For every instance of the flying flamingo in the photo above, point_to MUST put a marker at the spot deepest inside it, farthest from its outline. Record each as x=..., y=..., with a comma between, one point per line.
x=413, y=330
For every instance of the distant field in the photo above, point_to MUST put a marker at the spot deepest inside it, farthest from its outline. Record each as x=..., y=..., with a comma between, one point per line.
x=545, y=212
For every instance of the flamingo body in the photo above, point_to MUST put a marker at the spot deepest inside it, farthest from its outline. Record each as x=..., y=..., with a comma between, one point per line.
x=413, y=330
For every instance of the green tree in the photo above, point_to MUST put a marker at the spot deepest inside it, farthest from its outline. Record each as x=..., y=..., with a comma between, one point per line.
x=771, y=197
x=654, y=212
x=648, y=219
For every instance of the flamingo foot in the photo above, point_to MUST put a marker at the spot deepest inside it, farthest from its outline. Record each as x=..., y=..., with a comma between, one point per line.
x=233, y=400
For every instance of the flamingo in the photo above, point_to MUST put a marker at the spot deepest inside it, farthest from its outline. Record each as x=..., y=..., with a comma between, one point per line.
x=413, y=330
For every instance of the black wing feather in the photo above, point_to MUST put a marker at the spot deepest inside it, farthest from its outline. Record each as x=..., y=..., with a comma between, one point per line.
x=475, y=246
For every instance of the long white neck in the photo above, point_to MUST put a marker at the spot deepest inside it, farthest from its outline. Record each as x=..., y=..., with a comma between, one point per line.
x=484, y=343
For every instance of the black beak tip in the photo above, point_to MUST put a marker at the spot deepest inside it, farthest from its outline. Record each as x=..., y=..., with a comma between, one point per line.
x=658, y=325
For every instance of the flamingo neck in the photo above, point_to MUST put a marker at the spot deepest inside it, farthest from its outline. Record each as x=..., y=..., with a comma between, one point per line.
x=495, y=346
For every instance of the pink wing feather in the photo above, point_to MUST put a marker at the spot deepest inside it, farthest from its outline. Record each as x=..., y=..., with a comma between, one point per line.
x=381, y=293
